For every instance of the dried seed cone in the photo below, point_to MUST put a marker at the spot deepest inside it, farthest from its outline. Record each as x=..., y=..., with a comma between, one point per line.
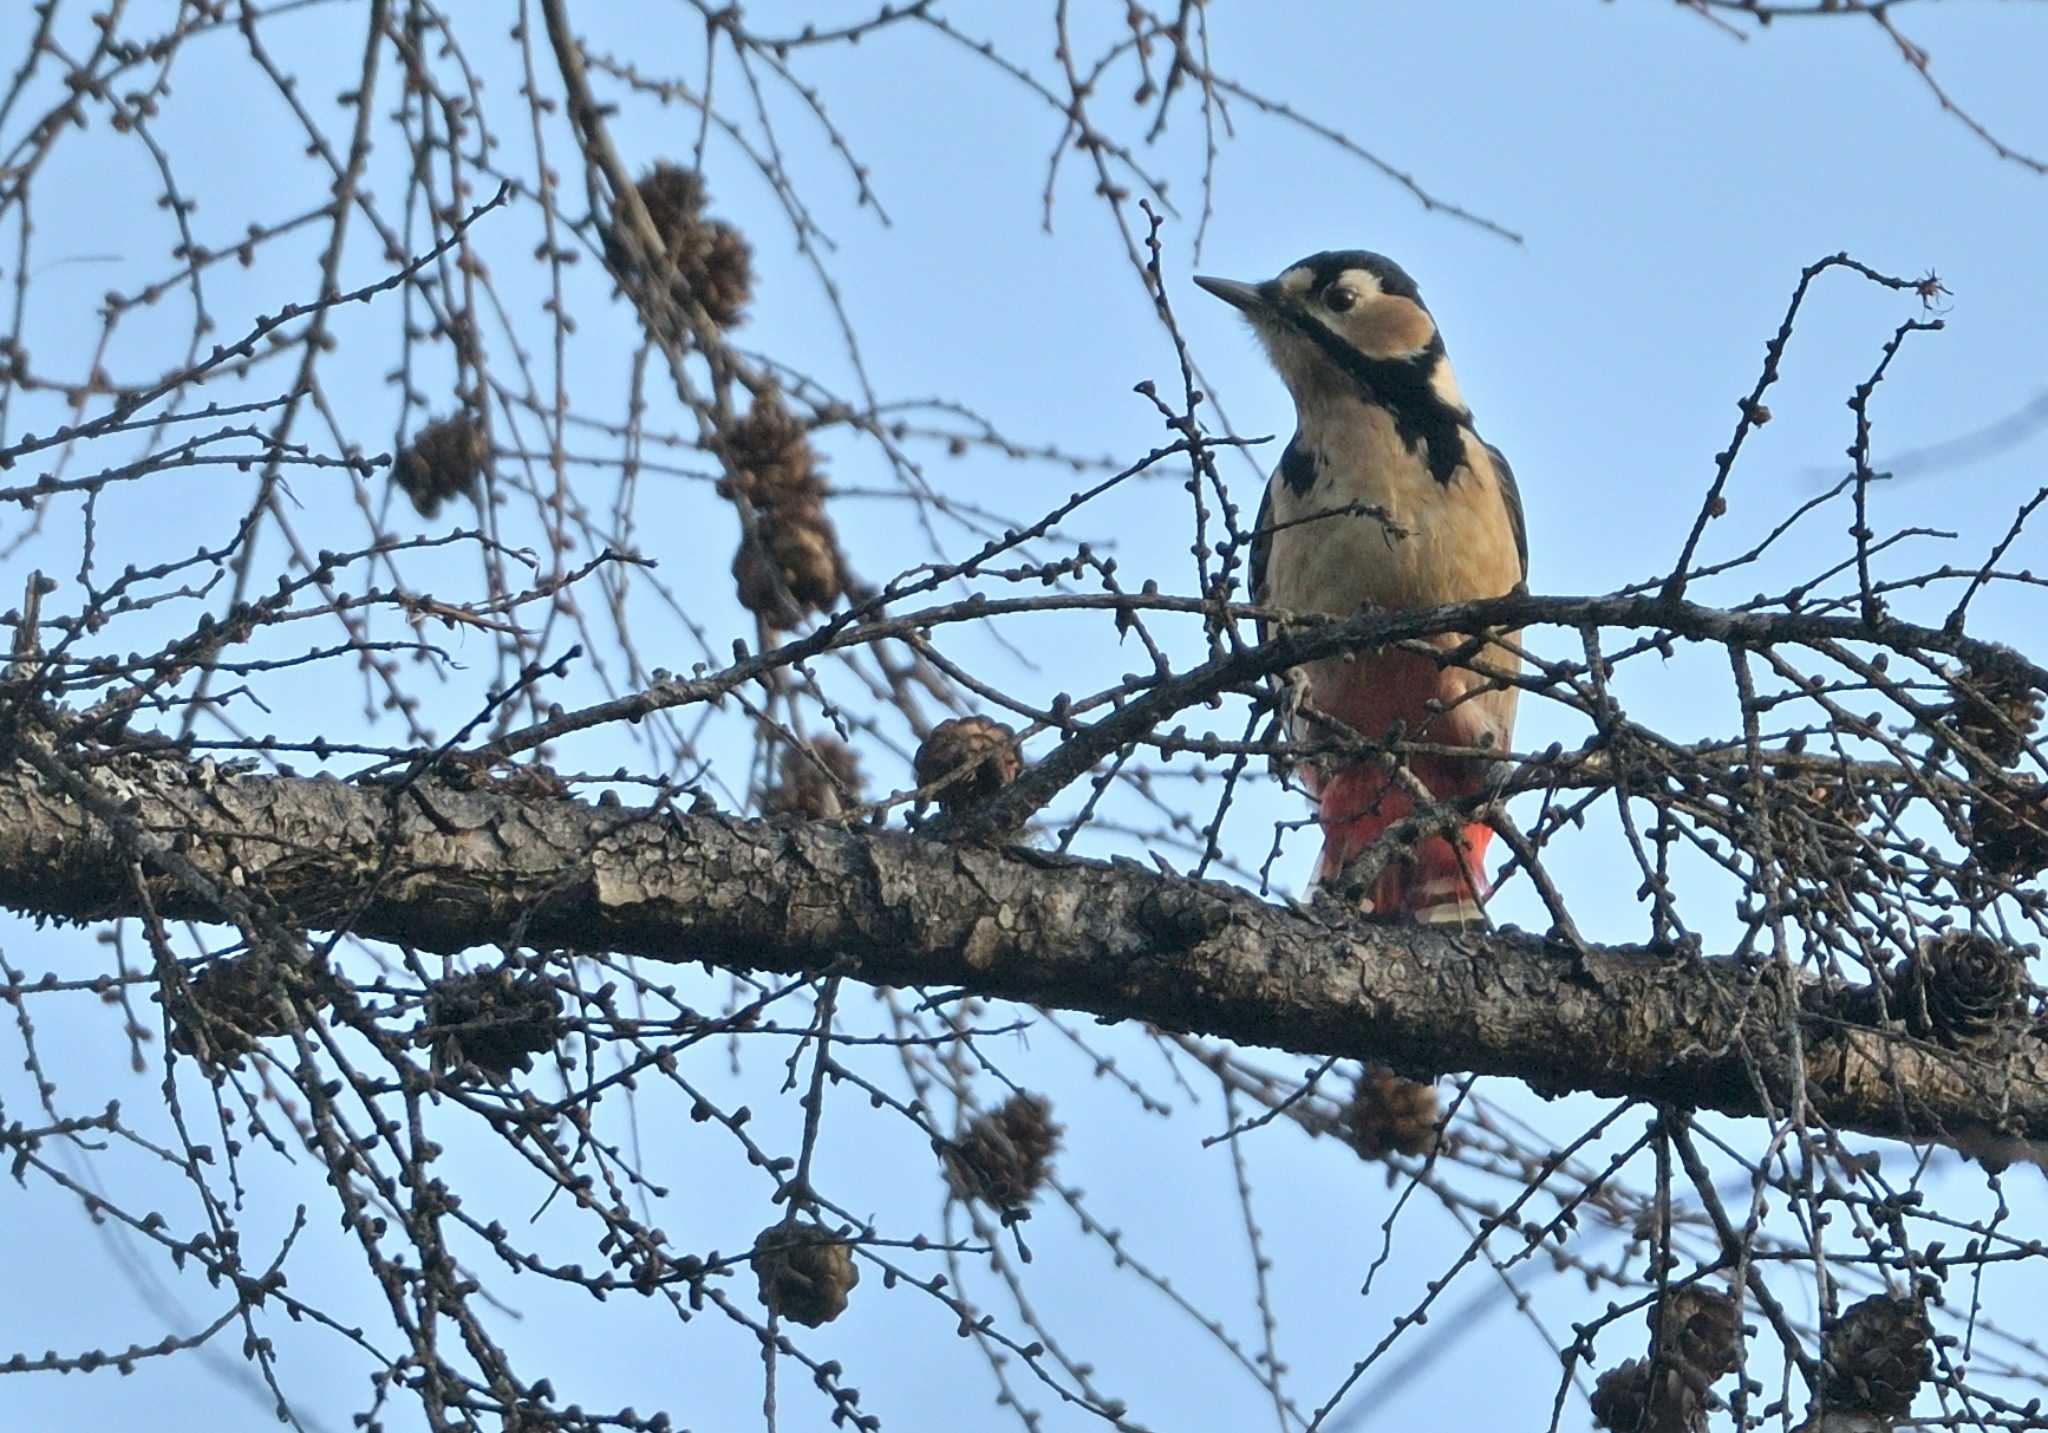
x=1877, y=1356
x=444, y=460
x=1620, y=1395
x=794, y=549
x=674, y=196
x=534, y=780
x=1627, y=1399
x=1006, y=1155
x=719, y=267
x=772, y=454
x=1959, y=986
x=2009, y=829
x=493, y=1020
x=1390, y=1115
x=1835, y=1420
x=714, y=264
x=1817, y=821
x=1995, y=714
x=798, y=554
x=805, y=1272
x=1697, y=1331
x=804, y=790
x=975, y=756
x=239, y=999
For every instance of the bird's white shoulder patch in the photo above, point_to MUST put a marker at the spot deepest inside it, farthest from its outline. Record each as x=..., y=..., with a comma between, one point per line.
x=1444, y=384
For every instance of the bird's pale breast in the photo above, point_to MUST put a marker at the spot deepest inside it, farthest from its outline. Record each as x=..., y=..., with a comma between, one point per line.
x=1440, y=542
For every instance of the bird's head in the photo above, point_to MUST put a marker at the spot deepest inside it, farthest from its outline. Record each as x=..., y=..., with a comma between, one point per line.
x=1335, y=318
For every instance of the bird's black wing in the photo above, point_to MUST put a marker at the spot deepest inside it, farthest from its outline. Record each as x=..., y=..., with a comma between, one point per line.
x=1512, y=496
x=1262, y=542
x=1289, y=688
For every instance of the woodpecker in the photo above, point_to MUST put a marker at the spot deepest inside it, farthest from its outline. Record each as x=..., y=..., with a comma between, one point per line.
x=1386, y=498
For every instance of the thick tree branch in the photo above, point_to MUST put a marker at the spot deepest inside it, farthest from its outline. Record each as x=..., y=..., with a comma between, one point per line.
x=1293, y=640
x=446, y=870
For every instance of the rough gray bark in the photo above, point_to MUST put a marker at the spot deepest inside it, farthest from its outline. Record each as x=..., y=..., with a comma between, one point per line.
x=445, y=870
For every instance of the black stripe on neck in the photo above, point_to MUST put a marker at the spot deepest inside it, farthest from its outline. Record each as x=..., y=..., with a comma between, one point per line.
x=1401, y=386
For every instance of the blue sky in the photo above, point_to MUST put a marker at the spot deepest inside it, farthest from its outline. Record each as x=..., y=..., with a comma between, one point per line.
x=1670, y=182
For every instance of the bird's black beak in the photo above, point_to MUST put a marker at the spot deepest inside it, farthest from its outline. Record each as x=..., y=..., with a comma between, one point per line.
x=1254, y=299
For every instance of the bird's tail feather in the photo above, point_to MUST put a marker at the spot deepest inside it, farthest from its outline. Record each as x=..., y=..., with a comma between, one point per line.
x=1438, y=878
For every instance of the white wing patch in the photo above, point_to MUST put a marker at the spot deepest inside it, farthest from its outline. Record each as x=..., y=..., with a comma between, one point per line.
x=1444, y=384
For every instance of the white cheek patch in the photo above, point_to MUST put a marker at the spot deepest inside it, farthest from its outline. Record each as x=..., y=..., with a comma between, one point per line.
x=1359, y=281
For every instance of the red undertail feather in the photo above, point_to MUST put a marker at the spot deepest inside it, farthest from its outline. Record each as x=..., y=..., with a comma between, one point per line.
x=1438, y=878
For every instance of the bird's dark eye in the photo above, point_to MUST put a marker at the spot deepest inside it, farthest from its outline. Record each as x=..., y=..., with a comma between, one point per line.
x=1339, y=300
